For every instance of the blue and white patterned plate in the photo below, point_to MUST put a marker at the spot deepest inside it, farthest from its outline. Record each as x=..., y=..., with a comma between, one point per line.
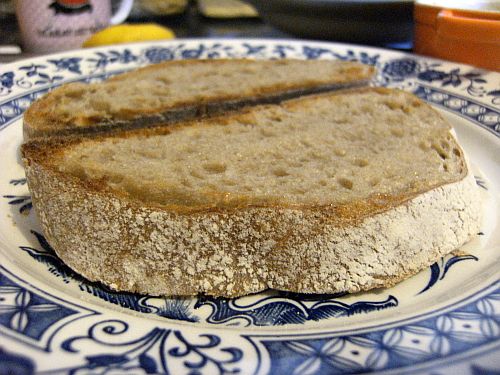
x=444, y=320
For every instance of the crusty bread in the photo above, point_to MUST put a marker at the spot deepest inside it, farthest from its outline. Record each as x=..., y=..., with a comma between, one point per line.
x=180, y=90
x=331, y=193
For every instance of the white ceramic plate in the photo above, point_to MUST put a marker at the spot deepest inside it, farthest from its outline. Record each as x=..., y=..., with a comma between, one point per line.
x=443, y=320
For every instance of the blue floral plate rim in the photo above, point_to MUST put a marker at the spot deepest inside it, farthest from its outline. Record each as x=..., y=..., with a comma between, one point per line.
x=107, y=341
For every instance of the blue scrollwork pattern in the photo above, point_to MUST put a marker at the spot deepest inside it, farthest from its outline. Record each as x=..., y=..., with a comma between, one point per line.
x=104, y=343
x=439, y=269
x=281, y=308
x=153, y=352
x=466, y=327
x=25, y=312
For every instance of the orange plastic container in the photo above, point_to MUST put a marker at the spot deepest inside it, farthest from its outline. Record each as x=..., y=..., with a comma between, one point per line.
x=468, y=36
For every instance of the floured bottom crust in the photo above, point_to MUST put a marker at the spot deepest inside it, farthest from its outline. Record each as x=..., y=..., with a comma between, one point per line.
x=148, y=250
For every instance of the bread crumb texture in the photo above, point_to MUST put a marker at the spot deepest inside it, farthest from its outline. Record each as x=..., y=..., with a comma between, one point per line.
x=161, y=89
x=335, y=193
x=326, y=150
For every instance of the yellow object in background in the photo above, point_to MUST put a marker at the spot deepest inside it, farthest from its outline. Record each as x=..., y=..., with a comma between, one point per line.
x=161, y=7
x=126, y=33
x=226, y=9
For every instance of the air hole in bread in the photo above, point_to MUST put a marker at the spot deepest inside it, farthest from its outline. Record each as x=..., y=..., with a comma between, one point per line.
x=106, y=155
x=195, y=134
x=341, y=120
x=111, y=89
x=75, y=94
x=393, y=105
x=189, y=149
x=281, y=172
x=306, y=142
x=314, y=155
x=149, y=153
x=277, y=155
x=339, y=152
x=397, y=132
x=100, y=105
x=440, y=151
x=196, y=174
x=247, y=122
x=229, y=182
x=115, y=184
x=360, y=162
x=443, y=155
x=266, y=132
x=215, y=167
x=248, y=70
x=345, y=183
x=330, y=141
x=164, y=80
x=407, y=108
x=424, y=145
x=389, y=174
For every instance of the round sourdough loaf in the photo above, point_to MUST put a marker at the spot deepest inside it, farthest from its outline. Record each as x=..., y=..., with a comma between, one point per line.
x=179, y=234
x=236, y=252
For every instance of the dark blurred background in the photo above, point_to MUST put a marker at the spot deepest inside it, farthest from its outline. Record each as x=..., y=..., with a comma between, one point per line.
x=371, y=22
